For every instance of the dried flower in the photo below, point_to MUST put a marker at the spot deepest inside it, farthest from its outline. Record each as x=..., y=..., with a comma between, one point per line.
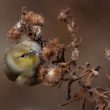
x=53, y=76
x=31, y=18
x=51, y=49
x=107, y=53
x=14, y=34
x=71, y=26
x=75, y=54
x=42, y=70
x=64, y=14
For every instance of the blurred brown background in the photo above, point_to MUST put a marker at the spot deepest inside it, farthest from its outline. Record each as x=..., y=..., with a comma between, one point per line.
x=93, y=20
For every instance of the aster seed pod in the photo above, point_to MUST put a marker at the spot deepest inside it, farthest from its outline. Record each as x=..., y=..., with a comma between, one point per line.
x=53, y=76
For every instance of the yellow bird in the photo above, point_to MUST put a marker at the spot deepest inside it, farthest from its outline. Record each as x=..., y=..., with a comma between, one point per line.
x=21, y=62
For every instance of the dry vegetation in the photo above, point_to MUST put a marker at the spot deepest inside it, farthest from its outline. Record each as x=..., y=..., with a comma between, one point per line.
x=54, y=69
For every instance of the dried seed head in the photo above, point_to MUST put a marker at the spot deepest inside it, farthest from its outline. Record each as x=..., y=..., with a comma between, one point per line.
x=31, y=18
x=95, y=73
x=47, y=53
x=36, y=33
x=14, y=34
x=75, y=54
x=64, y=14
x=71, y=26
x=53, y=76
x=42, y=70
x=107, y=53
x=51, y=48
